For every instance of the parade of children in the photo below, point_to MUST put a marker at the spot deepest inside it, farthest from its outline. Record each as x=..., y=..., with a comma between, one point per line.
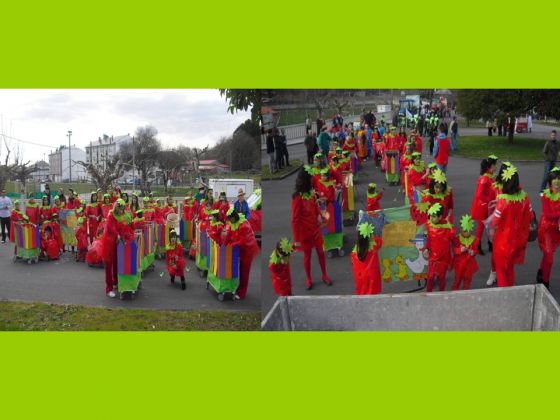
x=124, y=237
x=414, y=215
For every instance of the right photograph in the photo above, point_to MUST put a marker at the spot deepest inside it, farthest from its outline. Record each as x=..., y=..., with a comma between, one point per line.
x=410, y=210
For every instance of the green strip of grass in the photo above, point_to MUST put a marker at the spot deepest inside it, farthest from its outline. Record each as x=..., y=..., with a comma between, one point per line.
x=522, y=148
x=21, y=316
x=294, y=165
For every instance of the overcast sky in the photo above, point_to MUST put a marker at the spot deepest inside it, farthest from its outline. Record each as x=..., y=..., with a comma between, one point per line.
x=193, y=117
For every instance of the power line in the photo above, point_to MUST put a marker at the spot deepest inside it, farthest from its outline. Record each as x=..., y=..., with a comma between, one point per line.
x=28, y=142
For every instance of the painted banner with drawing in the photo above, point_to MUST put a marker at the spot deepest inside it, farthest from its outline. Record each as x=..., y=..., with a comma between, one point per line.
x=400, y=258
x=68, y=222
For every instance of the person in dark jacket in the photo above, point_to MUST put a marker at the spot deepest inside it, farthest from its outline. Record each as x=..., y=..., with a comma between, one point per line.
x=270, y=152
x=550, y=153
x=311, y=147
x=285, y=155
x=278, y=148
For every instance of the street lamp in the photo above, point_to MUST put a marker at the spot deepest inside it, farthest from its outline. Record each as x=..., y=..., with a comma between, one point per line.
x=70, y=153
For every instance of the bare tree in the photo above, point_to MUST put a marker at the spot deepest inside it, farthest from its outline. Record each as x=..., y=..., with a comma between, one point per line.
x=4, y=168
x=169, y=161
x=146, y=147
x=103, y=177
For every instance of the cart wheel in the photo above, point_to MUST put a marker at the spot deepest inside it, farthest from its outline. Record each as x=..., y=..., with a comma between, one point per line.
x=340, y=252
x=207, y=285
x=29, y=262
x=329, y=254
x=221, y=297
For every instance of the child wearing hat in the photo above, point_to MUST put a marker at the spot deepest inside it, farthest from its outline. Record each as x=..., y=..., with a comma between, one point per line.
x=415, y=176
x=335, y=169
x=373, y=197
x=170, y=207
x=49, y=246
x=81, y=239
x=438, y=247
x=106, y=207
x=365, y=261
x=279, y=268
x=440, y=192
x=222, y=205
x=138, y=222
x=45, y=211
x=174, y=260
x=465, y=248
x=92, y=214
x=216, y=227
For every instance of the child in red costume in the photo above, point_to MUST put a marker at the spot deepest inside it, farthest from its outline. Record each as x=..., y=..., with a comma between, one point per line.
x=279, y=267
x=549, y=226
x=222, y=205
x=148, y=211
x=325, y=187
x=365, y=262
x=159, y=212
x=190, y=208
x=138, y=222
x=118, y=224
x=174, y=260
x=32, y=210
x=419, y=212
x=414, y=137
x=55, y=226
x=93, y=215
x=373, y=197
x=239, y=231
x=255, y=218
x=438, y=247
x=106, y=207
x=335, y=168
x=483, y=195
x=415, y=176
x=510, y=227
x=440, y=192
x=81, y=240
x=170, y=207
x=49, y=245
x=306, y=220
x=45, y=211
x=16, y=216
x=94, y=257
x=216, y=227
x=405, y=162
x=464, y=251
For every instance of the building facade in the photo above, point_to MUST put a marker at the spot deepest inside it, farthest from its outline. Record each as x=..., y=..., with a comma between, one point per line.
x=63, y=165
x=102, y=151
x=42, y=171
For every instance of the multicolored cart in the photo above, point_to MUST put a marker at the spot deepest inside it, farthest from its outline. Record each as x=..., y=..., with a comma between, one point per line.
x=222, y=264
x=28, y=242
x=392, y=170
x=162, y=239
x=148, y=247
x=129, y=262
x=201, y=250
x=186, y=233
x=348, y=206
x=333, y=238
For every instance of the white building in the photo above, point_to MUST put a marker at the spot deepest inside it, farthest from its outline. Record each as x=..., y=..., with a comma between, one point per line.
x=42, y=171
x=101, y=151
x=63, y=161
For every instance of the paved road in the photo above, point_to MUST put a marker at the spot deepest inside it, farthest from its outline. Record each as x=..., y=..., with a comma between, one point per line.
x=68, y=282
x=462, y=174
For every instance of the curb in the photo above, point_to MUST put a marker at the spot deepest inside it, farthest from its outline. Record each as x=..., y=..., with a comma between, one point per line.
x=509, y=160
x=291, y=172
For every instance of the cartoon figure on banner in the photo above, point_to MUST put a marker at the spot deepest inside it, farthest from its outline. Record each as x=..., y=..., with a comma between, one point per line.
x=420, y=264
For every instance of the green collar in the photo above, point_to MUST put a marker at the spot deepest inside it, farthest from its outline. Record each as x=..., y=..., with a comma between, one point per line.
x=489, y=175
x=440, y=225
x=466, y=241
x=372, y=195
x=214, y=223
x=418, y=168
x=33, y=206
x=370, y=247
x=327, y=183
x=308, y=195
x=438, y=195
x=423, y=206
x=171, y=247
x=520, y=196
x=235, y=225
x=551, y=196
x=276, y=259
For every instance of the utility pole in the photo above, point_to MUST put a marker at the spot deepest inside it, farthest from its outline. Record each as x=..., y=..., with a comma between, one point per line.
x=70, y=153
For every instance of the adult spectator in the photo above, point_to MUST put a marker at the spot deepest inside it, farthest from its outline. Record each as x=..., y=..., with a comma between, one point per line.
x=47, y=192
x=278, y=149
x=324, y=141
x=61, y=196
x=454, y=128
x=307, y=125
x=319, y=123
x=311, y=147
x=241, y=206
x=270, y=152
x=490, y=127
x=441, y=149
x=5, y=211
x=550, y=153
x=529, y=122
x=285, y=155
x=199, y=196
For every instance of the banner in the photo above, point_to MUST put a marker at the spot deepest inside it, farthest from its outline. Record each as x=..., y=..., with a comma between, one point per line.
x=68, y=222
x=223, y=260
x=400, y=256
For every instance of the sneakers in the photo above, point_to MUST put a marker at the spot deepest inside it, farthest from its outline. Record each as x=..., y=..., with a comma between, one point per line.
x=491, y=279
x=236, y=297
x=183, y=285
x=111, y=294
x=327, y=281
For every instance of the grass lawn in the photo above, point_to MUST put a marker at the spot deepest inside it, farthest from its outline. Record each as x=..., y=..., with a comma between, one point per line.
x=522, y=148
x=266, y=175
x=472, y=123
x=20, y=316
x=297, y=116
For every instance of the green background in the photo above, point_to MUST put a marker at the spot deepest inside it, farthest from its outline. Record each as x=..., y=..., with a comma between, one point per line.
x=69, y=44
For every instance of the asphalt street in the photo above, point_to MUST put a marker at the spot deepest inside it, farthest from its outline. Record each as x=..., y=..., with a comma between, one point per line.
x=68, y=282
x=462, y=175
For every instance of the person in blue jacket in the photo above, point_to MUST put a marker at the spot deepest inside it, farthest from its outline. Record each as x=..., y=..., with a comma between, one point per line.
x=241, y=206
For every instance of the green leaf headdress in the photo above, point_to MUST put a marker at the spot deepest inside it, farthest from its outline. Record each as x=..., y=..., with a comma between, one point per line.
x=285, y=246
x=365, y=230
x=436, y=207
x=372, y=185
x=509, y=173
x=324, y=171
x=493, y=157
x=308, y=169
x=432, y=165
x=467, y=223
x=555, y=169
x=439, y=176
x=229, y=212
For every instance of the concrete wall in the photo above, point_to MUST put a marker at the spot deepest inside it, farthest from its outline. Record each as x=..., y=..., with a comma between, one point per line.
x=508, y=309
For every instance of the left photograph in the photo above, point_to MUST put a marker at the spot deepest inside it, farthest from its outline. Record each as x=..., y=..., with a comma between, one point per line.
x=129, y=210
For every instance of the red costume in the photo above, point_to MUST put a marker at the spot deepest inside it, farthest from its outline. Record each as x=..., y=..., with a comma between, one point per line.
x=242, y=234
x=419, y=212
x=511, y=222
x=215, y=231
x=159, y=215
x=367, y=276
x=190, y=210
x=549, y=232
x=255, y=218
x=33, y=212
x=105, y=209
x=114, y=227
x=174, y=260
x=325, y=189
x=82, y=242
x=483, y=194
x=465, y=265
x=223, y=208
x=373, y=201
x=305, y=229
x=445, y=199
x=49, y=246
x=336, y=173
x=440, y=237
x=418, y=144
x=148, y=213
x=280, y=274
x=15, y=217
x=95, y=253
x=92, y=214
x=45, y=213
x=405, y=162
x=415, y=178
